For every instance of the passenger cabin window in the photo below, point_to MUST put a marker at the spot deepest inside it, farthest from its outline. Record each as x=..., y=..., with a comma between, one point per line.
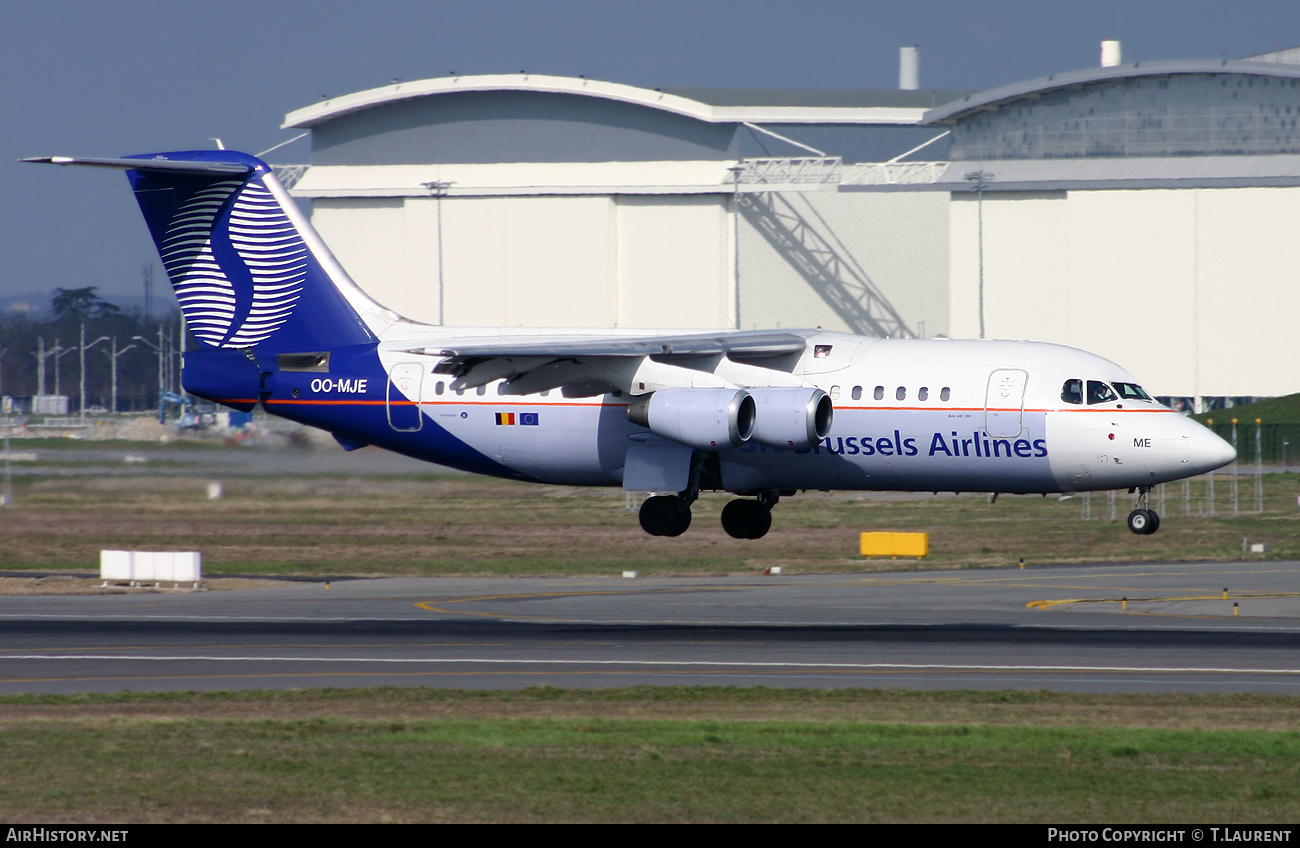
x=857, y=393
x=501, y=388
x=437, y=390
x=1099, y=392
x=945, y=393
x=923, y=393
x=901, y=393
x=879, y=394
x=460, y=391
x=1072, y=391
x=835, y=392
x=481, y=390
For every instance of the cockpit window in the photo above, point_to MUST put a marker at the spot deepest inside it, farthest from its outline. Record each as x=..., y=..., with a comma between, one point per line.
x=1072, y=391
x=1099, y=392
x=1131, y=391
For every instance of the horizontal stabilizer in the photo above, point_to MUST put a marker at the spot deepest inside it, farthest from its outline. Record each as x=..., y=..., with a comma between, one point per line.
x=188, y=165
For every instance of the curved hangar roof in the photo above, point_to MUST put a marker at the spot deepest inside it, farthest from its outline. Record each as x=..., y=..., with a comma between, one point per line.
x=539, y=118
x=1146, y=109
x=710, y=105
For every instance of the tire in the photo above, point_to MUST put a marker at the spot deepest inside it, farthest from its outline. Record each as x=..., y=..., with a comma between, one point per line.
x=665, y=515
x=743, y=519
x=1143, y=522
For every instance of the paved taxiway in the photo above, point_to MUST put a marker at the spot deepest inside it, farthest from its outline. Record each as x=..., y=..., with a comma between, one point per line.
x=1063, y=628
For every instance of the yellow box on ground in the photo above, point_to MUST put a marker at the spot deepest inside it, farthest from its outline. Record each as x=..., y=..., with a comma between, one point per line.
x=895, y=544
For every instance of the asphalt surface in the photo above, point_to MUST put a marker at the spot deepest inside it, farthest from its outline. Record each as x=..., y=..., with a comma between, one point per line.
x=1062, y=628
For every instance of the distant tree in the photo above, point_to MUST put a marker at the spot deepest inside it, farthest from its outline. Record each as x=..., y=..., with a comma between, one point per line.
x=81, y=304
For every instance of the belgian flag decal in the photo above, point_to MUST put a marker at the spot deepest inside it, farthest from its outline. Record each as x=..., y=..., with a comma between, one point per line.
x=528, y=419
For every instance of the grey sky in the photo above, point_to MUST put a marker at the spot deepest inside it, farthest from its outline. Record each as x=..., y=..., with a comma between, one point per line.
x=135, y=76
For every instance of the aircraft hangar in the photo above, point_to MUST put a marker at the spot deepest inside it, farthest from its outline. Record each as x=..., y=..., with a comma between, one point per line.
x=1139, y=211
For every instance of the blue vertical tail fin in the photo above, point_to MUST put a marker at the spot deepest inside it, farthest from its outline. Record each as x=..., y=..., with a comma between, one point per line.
x=248, y=270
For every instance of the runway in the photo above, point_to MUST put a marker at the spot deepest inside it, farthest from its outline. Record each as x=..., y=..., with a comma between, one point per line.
x=1057, y=628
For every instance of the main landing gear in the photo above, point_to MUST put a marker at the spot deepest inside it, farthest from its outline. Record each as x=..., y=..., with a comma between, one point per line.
x=744, y=519
x=1144, y=521
x=666, y=515
x=670, y=515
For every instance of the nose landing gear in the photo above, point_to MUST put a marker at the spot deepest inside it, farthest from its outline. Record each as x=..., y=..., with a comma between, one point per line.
x=1144, y=521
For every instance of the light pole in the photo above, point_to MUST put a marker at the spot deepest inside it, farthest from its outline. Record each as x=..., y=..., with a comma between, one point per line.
x=112, y=357
x=439, y=189
x=162, y=352
x=84, y=348
x=736, y=172
x=43, y=354
x=980, y=180
x=8, y=498
x=59, y=352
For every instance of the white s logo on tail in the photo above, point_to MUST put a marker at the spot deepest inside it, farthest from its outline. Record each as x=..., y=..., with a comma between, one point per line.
x=268, y=248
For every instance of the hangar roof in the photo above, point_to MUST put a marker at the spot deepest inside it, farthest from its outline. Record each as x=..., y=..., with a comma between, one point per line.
x=712, y=105
x=963, y=106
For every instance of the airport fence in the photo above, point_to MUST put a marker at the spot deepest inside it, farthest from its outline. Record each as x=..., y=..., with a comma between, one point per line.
x=1275, y=443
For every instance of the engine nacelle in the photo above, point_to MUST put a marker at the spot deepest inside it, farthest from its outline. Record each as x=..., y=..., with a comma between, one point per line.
x=792, y=419
x=704, y=419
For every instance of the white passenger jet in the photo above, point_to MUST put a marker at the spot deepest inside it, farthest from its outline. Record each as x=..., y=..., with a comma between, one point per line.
x=279, y=324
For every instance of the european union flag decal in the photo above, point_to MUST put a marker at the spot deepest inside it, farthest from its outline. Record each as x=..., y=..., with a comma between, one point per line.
x=528, y=419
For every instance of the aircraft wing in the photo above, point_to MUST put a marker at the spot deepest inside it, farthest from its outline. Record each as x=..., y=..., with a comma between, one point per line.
x=738, y=345
x=587, y=365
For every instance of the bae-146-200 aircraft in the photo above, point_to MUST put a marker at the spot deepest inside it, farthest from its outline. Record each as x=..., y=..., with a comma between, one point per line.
x=760, y=414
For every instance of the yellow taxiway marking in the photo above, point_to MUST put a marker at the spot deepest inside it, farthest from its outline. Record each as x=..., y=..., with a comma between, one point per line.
x=1217, y=596
x=532, y=596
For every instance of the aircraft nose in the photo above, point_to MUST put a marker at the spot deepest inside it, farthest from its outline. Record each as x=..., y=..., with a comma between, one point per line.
x=1209, y=451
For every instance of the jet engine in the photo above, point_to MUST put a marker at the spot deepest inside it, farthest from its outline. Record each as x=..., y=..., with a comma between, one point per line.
x=704, y=419
x=791, y=418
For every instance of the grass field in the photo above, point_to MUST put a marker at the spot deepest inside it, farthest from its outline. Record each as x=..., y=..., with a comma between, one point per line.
x=464, y=525
x=650, y=755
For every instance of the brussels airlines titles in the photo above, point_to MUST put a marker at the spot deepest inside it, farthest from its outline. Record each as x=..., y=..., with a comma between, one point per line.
x=953, y=445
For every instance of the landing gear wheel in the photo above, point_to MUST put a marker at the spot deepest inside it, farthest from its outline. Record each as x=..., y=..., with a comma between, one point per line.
x=746, y=519
x=665, y=515
x=1143, y=522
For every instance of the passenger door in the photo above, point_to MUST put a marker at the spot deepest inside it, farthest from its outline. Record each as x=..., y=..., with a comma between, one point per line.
x=1004, y=403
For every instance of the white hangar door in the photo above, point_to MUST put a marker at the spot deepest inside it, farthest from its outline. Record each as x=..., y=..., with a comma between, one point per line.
x=673, y=261
x=540, y=261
